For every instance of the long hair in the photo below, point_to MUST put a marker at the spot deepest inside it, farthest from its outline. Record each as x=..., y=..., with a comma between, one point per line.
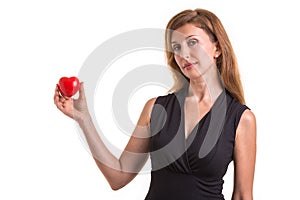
x=226, y=62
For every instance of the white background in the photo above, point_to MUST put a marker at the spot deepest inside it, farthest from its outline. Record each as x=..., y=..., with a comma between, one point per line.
x=41, y=154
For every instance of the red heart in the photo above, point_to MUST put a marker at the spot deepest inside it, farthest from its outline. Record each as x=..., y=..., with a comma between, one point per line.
x=68, y=86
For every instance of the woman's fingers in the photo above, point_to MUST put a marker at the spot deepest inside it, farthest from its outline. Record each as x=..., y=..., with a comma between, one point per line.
x=56, y=93
x=81, y=91
x=57, y=101
x=66, y=104
x=60, y=100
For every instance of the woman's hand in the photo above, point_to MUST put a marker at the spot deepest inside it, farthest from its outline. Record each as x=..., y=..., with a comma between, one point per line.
x=74, y=108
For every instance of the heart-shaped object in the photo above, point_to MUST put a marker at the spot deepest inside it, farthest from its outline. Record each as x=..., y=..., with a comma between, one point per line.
x=68, y=86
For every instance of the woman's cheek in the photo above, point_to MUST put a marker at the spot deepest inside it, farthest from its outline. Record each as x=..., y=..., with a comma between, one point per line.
x=177, y=59
x=202, y=56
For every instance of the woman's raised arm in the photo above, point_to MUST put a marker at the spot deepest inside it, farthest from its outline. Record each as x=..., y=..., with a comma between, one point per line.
x=117, y=171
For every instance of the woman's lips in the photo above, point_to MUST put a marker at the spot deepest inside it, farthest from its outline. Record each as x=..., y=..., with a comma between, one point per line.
x=188, y=65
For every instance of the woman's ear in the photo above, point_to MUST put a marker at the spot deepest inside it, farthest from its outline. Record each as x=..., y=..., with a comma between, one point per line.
x=217, y=50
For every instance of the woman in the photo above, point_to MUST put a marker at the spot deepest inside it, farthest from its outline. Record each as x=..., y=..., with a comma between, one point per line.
x=195, y=131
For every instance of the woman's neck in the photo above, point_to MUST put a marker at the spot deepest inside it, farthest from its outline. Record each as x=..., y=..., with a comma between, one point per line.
x=207, y=86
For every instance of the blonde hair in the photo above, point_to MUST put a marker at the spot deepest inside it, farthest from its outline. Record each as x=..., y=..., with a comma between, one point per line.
x=226, y=62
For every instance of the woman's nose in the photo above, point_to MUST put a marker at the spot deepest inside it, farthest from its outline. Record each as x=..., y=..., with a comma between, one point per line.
x=185, y=53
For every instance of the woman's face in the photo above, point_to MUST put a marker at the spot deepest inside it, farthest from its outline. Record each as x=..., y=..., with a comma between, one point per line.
x=193, y=50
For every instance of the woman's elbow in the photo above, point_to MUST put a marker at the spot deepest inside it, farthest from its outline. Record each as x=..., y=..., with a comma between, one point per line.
x=116, y=185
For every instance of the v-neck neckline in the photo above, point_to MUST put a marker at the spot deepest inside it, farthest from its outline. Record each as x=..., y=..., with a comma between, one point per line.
x=184, y=95
x=187, y=136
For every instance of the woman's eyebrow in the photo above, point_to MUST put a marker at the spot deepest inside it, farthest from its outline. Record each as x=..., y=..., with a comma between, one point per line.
x=185, y=38
x=191, y=36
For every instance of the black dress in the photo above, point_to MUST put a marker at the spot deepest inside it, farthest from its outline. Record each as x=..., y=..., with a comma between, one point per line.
x=191, y=168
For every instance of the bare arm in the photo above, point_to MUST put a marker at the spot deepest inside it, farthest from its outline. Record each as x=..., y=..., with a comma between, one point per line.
x=118, y=172
x=244, y=157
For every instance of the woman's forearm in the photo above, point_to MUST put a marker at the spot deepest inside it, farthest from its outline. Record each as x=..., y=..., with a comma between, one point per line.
x=108, y=164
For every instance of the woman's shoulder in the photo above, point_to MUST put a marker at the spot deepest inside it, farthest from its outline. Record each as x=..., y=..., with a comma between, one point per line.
x=171, y=97
x=151, y=102
x=237, y=110
x=160, y=98
x=144, y=119
x=234, y=103
x=248, y=117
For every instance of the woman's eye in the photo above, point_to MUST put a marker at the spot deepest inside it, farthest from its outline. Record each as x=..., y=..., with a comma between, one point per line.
x=176, y=47
x=192, y=42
